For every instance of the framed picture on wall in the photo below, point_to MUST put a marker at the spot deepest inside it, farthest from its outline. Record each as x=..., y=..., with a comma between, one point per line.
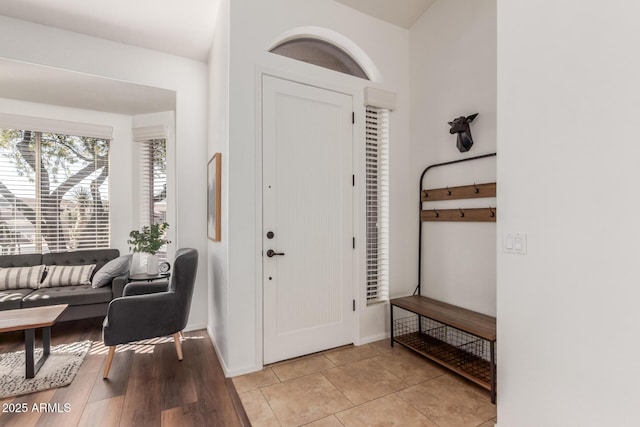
x=213, y=197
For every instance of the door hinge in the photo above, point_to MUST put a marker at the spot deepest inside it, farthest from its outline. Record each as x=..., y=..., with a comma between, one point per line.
x=354, y=305
x=353, y=117
x=353, y=180
x=353, y=241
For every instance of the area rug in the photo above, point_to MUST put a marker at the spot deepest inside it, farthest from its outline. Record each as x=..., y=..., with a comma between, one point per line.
x=58, y=370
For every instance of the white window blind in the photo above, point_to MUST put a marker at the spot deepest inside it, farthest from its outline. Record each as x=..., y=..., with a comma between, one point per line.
x=54, y=192
x=153, y=184
x=40, y=124
x=377, y=203
x=148, y=133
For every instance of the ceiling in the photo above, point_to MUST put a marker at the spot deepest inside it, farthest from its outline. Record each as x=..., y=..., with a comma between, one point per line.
x=178, y=27
x=403, y=13
x=45, y=85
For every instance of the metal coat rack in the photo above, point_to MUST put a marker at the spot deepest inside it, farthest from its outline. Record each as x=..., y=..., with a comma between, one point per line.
x=452, y=193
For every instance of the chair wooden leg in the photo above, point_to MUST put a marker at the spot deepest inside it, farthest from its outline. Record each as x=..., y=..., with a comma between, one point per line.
x=176, y=339
x=112, y=352
x=181, y=334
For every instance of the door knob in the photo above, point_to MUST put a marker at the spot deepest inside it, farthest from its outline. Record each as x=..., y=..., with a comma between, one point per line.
x=272, y=253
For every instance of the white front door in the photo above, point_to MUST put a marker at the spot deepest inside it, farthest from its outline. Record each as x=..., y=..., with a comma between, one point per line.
x=307, y=219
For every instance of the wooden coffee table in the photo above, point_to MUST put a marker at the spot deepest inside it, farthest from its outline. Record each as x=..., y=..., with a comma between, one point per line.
x=28, y=320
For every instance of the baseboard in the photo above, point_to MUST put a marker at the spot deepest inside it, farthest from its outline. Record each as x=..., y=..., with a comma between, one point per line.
x=243, y=371
x=194, y=327
x=215, y=348
x=230, y=373
x=373, y=338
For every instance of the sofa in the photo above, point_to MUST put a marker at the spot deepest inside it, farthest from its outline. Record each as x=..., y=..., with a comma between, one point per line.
x=84, y=300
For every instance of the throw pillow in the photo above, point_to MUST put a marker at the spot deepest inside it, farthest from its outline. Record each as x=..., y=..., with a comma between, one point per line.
x=21, y=277
x=67, y=275
x=113, y=268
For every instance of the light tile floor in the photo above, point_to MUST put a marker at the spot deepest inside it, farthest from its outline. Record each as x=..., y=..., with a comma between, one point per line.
x=370, y=385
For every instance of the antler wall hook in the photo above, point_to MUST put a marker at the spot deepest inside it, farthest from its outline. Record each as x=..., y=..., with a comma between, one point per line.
x=462, y=128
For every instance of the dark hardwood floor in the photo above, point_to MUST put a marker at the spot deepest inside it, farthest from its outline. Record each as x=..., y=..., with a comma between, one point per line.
x=147, y=385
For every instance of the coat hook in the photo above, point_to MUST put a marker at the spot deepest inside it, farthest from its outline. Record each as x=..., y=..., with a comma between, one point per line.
x=448, y=191
x=461, y=213
x=492, y=212
x=477, y=190
x=437, y=214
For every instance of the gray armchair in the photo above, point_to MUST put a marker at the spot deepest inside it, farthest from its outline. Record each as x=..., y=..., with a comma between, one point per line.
x=139, y=315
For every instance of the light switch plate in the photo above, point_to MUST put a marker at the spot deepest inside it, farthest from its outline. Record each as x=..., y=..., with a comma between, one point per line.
x=515, y=243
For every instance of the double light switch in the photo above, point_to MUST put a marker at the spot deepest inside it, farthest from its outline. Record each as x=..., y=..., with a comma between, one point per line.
x=515, y=243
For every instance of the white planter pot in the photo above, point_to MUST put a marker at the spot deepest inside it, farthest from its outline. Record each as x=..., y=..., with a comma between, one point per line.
x=152, y=264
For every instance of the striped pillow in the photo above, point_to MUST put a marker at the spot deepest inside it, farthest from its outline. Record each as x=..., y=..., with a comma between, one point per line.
x=21, y=277
x=67, y=275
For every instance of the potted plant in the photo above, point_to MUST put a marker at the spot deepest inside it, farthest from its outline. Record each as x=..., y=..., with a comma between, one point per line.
x=149, y=240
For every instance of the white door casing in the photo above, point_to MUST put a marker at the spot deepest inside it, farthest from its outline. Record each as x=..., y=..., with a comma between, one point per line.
x=307, y=204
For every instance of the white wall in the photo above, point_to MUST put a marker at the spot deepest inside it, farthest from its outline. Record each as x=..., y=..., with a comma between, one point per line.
x=47, y=46
x=453, y=73
x=253, y=27
x=568, y=317
x=218, y=283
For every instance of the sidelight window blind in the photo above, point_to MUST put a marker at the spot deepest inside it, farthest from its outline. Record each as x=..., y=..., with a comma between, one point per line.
x=377, y=203
x=153, y=183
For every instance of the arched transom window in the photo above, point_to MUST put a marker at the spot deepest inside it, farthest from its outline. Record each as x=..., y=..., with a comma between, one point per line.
x=321, y=53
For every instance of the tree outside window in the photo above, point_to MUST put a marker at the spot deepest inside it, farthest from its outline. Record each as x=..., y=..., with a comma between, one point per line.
x=53, y=192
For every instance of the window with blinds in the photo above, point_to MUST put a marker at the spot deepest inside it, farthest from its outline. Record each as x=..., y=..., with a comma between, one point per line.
x=153, y=184
x=377, y=203
x=54, y=192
